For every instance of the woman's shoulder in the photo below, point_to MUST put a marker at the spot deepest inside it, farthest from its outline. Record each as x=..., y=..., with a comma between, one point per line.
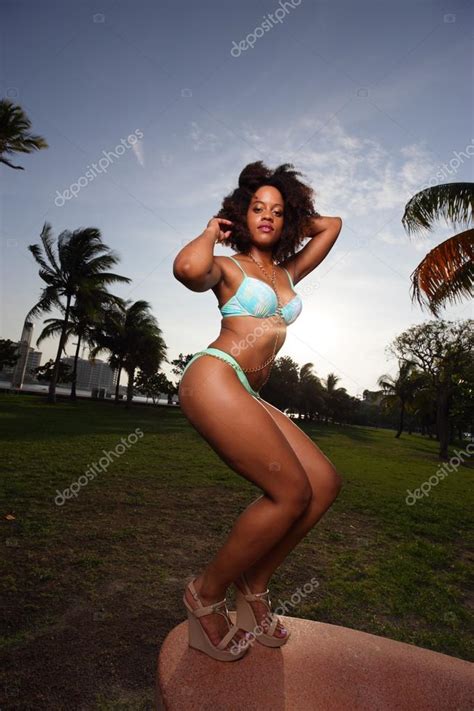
x=227, y=267
x=228, y=259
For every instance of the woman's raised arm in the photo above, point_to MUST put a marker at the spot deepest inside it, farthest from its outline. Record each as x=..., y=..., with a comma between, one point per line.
x=194, y=265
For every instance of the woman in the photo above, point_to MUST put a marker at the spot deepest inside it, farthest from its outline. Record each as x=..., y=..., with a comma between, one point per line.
x=266, y=218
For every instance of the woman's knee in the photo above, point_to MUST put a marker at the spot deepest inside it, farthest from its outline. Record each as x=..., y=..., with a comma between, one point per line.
x=327, y=489
x=298, y=497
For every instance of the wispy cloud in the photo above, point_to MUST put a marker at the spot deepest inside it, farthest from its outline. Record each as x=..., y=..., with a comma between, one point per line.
x=353, y=175
x=204, y=140
x=139, y=152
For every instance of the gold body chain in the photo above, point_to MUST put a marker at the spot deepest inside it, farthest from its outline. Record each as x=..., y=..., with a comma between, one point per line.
x=278, y=313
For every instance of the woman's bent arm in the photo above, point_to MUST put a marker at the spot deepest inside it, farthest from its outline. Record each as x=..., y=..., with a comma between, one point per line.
x=195, y=266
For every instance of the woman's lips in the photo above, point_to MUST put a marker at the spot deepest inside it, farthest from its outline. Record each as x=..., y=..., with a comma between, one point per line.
x=266, y=228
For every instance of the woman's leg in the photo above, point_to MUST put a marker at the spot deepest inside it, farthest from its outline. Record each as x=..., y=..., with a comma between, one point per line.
x=325, y=483
x=247, y=438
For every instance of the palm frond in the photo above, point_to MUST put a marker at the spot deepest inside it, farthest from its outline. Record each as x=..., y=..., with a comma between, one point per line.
x=37, y=253
x=10, y=165
x=452, y=201
x=50, y=278
x=102, y=261
x=306, y=371
x=446, y=273
x=386, y=382
x=49, y=299
x=47, y=241
x=55, y=328
x=107, y=278
x=15, y=136
x=28, y=144
x=64, y=240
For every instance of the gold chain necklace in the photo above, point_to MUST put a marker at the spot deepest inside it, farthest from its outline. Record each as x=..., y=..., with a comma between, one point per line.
x=279, y=313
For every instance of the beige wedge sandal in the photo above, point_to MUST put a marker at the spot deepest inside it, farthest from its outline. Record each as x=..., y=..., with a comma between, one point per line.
x=246, y=619
x=197, y=636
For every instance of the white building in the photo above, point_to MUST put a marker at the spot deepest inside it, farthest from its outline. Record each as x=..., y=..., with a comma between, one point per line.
x=92, y=374
x=28, y=359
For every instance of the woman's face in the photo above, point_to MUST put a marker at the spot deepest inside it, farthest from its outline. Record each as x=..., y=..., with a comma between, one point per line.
x=265, y=216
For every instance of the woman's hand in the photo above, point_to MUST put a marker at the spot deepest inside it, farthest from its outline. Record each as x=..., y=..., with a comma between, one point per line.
x=219, y=233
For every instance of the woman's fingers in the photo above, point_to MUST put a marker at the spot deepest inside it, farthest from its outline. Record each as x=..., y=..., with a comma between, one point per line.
x=219, y=220
x=215, y=222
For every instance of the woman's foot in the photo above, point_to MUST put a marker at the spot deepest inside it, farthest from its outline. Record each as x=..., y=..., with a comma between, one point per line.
x=214, y=624
x=260, y=609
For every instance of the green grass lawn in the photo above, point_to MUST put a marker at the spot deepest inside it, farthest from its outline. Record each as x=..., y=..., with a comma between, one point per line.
x=93, y=586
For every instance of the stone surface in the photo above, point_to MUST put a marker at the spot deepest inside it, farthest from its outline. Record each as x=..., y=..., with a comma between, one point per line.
x=321, y=668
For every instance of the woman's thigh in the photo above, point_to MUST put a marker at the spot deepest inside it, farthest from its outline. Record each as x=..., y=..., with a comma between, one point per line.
x=241, y=432
x=325, y=480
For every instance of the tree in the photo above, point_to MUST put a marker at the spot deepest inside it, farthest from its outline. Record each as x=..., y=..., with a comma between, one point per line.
x=8, y=353
x=462, y=411
x=422, y=405
x=447, y=271
x=44, y=372
x=332, y=395
x=84, y=316
x=310, y=396
x=79, y=265
x=400, y=391
x=133, y=339
x=180, y=363
x=442, y=350
x=153, y=385
x=281, y=389
x=14, y=133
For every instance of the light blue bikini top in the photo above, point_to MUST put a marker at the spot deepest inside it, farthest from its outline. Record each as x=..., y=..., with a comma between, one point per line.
x=255, y=297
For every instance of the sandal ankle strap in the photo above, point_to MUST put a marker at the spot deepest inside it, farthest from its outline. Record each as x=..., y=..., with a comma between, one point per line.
x=257, y=596
x=219, y=607
x=193, y=592
x=264, y=597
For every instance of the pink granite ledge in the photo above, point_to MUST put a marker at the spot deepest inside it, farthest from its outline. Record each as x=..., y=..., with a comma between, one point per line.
x=321, y=668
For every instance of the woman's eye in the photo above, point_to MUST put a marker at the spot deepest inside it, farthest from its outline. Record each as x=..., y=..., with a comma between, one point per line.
x=278, y=214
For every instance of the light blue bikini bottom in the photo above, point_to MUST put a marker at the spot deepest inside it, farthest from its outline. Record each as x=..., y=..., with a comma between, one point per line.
x=217, y=353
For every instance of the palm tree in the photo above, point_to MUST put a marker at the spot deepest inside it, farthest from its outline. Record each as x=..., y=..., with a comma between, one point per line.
x=447, y=271
x=400, y=391
x=310, y=399
x=89, y=309
x=84, y=315
x=79, y=265
x=133, y=339
x=108, y=336
x=331, y=393
x=14, y=133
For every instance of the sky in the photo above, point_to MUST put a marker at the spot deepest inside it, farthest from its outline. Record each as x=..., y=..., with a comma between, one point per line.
x=152, y=109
